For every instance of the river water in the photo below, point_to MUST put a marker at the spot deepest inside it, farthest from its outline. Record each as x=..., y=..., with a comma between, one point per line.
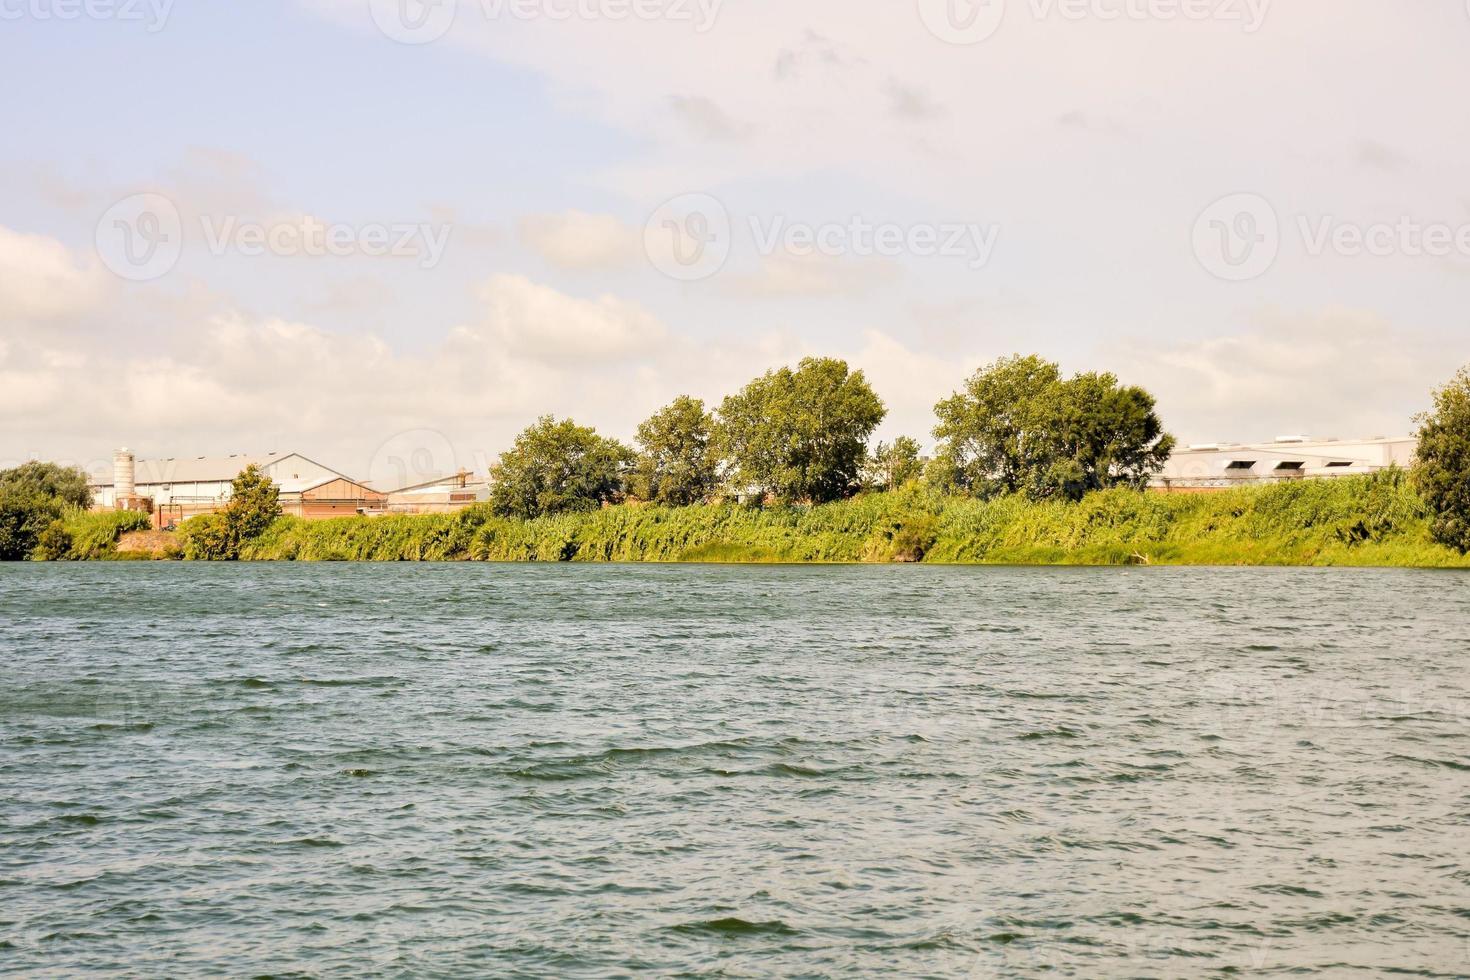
x=338, y=770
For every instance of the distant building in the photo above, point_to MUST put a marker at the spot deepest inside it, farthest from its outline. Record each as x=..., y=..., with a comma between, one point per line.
x=1220, y=466
x=443, y=495
x=176, y=489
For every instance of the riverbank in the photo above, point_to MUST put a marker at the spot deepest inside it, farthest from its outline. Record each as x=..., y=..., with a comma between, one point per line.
x=1367, y=521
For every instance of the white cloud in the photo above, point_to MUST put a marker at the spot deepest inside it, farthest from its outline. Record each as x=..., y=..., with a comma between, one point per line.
x=581, y=241
x=41, y=280
x=1334, y=373
x=537, y=321
x=787, y=275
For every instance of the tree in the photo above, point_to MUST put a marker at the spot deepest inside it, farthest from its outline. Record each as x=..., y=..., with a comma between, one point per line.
x=68, y=485
x=255, y=503
x=893, y=465
x=556, y=467
x=1018, y=426
x=1442, y=466
x=799, y=435
x=675, y=465
x=24, y=516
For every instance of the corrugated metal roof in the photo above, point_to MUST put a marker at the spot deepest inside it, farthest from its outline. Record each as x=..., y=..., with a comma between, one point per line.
x=206, y=469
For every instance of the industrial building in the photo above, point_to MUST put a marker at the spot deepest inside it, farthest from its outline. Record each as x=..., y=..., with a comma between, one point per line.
x=178, y=488
x=439, y=496
x=1220, y=466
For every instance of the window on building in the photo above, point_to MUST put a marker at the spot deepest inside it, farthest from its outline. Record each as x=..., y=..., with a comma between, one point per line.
x=1336, y=463
x=1290, y=465
x=1241, y=464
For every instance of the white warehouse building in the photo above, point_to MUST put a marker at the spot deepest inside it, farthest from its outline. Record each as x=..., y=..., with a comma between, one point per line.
x=180, y=487
x=1220, y=466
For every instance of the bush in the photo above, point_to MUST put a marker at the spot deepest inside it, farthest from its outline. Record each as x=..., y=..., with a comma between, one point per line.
x=94, y=534
x=54, y=544
x=1373, y=520
x=209, y=537
x=24, y=516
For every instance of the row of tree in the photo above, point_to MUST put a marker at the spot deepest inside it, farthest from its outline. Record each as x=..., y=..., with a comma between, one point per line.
x=802, y=436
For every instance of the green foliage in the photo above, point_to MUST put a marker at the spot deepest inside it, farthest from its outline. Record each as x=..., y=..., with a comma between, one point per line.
x=555, y=467
x=893, y=465
x=209, y=537
x=255, y=502
x=54, y=543
x=94, y=534
x=799, y=436
x=1018, y=426
x=254, y=506
x=1442, y=469
x=675, y=466
x=24, y=515
x=1373, y=520
x=68, y=485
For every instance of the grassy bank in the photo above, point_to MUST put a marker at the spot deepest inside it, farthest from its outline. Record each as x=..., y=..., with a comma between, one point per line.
x=1362, y=521
x=94, y=534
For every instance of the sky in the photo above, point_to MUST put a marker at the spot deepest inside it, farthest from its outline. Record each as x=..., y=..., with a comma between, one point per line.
x=389, y=234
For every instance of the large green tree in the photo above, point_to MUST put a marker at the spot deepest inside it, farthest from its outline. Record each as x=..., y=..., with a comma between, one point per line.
x=556, y=467
x=675, y=465
x=799, y=435
x=1018, y=426
x=893, y=464
x=66, y=484
x=1442, y=468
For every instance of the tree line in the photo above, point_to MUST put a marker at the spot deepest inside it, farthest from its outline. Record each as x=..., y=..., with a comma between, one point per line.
x=802, y=437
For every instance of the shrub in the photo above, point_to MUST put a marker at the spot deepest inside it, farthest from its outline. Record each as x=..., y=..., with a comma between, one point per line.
x=54, y=543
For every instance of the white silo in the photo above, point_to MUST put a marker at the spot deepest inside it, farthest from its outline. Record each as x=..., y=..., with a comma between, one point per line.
x=123, y=479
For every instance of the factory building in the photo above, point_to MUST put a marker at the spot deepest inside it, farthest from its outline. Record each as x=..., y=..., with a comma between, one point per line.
x=178, y=488
x=1220, y=466
x=439, y=496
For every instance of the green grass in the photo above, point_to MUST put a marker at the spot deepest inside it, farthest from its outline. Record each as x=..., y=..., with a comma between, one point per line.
x=94, y=534
x=1375, y=520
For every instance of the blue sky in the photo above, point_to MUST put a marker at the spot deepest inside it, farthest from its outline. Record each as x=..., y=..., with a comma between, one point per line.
x=1093, y=145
